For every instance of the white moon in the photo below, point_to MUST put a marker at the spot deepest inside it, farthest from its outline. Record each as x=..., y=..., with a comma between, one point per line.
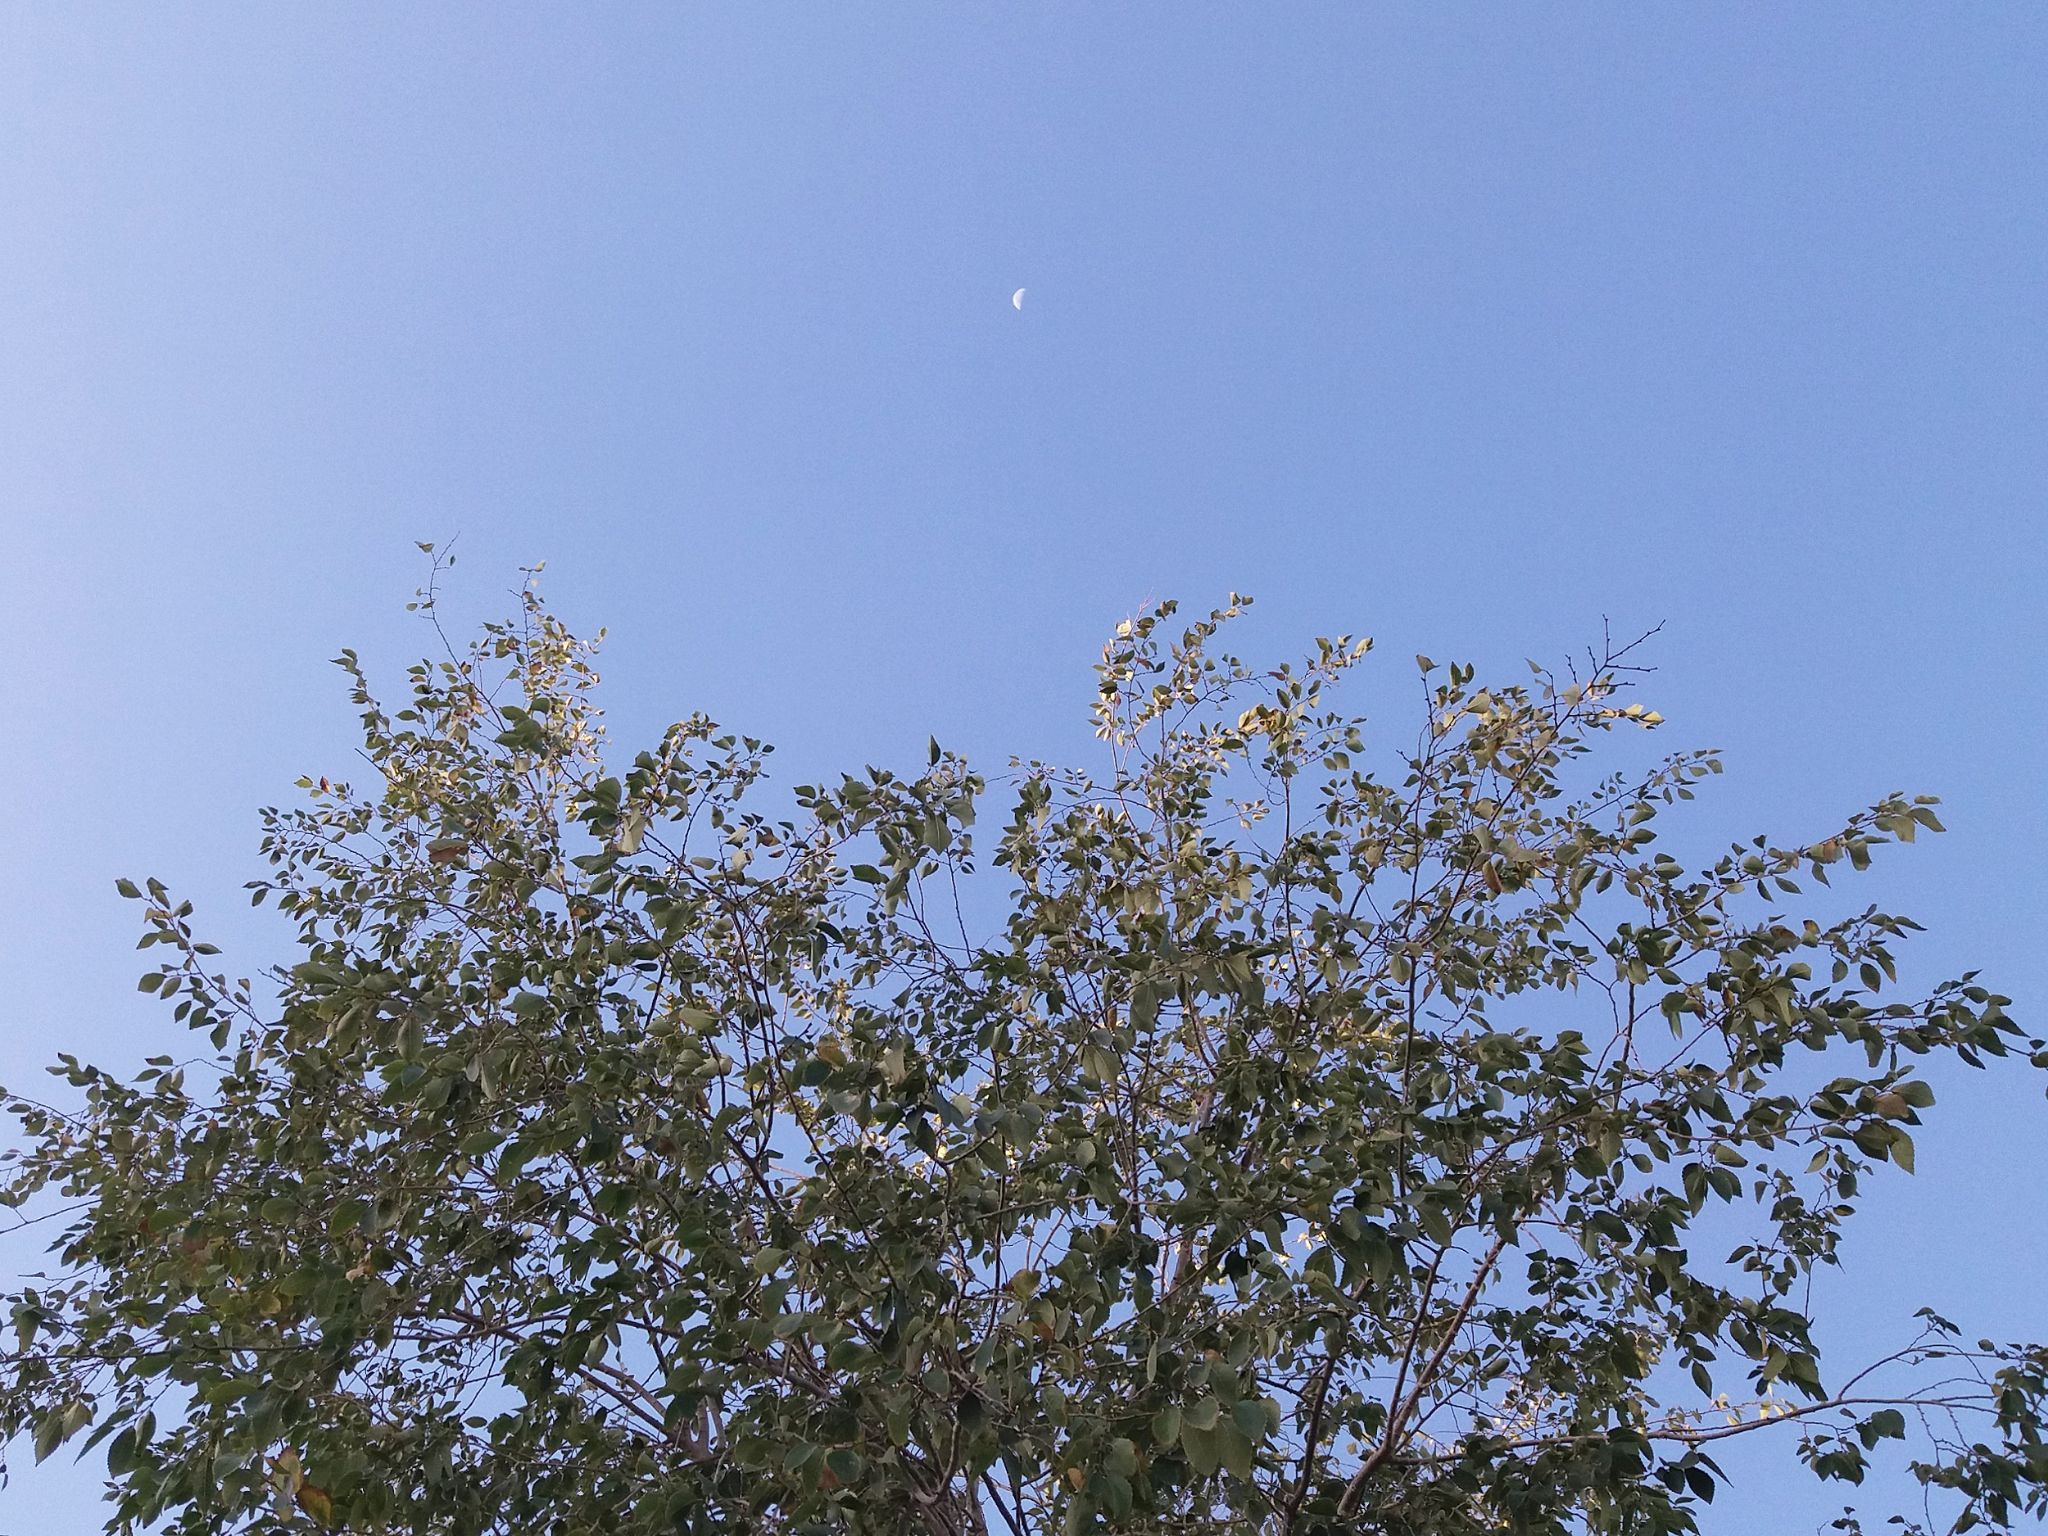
x=1017, y=299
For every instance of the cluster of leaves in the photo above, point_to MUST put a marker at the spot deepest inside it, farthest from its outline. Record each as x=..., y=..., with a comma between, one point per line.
x=1298, y=1149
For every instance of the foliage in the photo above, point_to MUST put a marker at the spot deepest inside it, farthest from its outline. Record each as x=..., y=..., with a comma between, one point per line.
x=1297, y=1149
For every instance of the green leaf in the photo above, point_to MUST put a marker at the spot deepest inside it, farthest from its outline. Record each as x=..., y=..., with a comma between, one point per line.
x=1236, y=1447
x=1099, y=1065
x=1249, y=1414
x=1902, y=1149
x=798, y=1460
x=1203, y=1448
x=1203, y=1414
x=58, y=1425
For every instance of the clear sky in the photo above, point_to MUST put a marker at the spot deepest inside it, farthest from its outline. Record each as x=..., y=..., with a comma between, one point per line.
x=1463, y=326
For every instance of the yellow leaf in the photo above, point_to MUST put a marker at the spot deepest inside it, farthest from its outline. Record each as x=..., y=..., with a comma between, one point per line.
x=315, y=1501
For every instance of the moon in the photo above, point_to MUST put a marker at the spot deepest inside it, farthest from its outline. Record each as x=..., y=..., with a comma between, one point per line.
x=1017, y=299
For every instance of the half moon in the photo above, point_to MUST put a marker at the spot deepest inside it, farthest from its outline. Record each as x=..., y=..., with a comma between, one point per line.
x=1017, y=299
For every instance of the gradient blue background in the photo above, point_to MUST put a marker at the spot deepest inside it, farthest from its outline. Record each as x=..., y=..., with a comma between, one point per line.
x=1466, y=327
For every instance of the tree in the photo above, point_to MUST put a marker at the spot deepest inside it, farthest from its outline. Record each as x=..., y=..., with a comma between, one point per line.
x=1296, y=1150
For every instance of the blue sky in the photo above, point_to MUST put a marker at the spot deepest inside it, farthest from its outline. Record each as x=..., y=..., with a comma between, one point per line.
x=1469, y=328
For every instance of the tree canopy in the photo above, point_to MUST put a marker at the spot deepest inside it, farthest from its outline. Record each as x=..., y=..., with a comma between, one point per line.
x=1283, y=1127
